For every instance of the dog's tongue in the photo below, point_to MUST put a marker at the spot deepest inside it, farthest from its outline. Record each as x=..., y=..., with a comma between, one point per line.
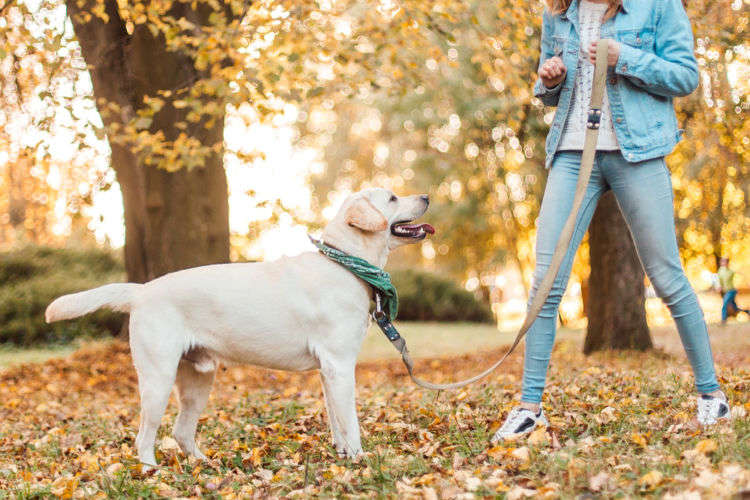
x=427, y=228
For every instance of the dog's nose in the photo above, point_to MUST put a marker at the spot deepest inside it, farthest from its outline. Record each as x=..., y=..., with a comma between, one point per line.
x=425, y=198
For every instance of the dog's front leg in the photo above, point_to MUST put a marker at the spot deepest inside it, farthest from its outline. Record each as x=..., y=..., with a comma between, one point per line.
x=338, y=382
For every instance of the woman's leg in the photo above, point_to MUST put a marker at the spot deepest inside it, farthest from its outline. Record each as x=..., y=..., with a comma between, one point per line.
x=556, y=205
x=644, y=193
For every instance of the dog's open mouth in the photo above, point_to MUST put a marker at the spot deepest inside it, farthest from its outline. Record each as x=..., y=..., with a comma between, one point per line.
x=406, y=229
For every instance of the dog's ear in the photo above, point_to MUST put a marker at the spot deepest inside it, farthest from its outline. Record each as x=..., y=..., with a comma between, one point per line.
x=363, y=215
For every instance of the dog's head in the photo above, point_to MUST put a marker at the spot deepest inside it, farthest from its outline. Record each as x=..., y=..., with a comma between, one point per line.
x=373, y=222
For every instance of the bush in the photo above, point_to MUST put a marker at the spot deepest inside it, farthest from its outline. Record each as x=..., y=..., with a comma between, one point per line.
x=31, y=277
x=426, y=296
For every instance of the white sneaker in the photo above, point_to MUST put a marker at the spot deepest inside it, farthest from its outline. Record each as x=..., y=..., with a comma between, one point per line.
x=520, y=421
x=712, y=408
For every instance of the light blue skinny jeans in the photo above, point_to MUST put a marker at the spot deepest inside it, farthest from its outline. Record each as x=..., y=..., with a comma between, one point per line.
x=644, y=193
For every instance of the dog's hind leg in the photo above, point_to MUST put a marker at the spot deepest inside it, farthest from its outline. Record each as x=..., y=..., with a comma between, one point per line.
x=338, y=380
x=156, y=353
x=333, y=421
x=193, y=388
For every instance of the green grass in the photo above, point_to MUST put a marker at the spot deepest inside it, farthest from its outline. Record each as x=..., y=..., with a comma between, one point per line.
x=431, y=339
x=13, y=355
x=425, y=339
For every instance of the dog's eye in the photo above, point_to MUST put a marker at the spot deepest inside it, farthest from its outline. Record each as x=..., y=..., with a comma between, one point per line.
x=393, y=197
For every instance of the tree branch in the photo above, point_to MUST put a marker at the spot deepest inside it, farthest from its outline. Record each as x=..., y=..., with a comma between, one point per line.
x=103, y=46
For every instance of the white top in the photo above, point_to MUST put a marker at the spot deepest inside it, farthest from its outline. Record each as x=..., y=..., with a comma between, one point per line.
x=590, y=17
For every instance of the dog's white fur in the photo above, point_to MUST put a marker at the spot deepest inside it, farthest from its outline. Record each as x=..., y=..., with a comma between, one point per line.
x=296, y=313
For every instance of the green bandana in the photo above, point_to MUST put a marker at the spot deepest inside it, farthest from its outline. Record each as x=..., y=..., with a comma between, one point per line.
x=378, y=278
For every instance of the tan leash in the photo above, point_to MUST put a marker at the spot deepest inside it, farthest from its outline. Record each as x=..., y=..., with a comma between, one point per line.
x=587, y=165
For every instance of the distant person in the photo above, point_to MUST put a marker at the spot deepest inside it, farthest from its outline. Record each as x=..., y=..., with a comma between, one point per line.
x=728, y=291
x=651, y=61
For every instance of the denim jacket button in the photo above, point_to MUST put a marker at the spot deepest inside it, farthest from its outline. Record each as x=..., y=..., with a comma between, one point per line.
x=619, y=120
x=624, y=67
x=613, y=80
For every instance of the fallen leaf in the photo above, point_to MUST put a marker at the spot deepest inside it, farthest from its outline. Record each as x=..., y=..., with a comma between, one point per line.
x=606, y=416
x=429, y=494
x=638, y=439
x=169, y=444
x=651, y=479
x=519, y=492
x=707, y=479
x=539, y=437
x=521, y=454
x=706, y=446
x=683, y=495
x=600, y=482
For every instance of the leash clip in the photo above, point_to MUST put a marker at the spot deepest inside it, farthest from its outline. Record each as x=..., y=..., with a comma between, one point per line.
x=383, y=321
x=378, y=312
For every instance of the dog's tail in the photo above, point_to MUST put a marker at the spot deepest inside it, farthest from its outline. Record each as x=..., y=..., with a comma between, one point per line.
x=117, y=296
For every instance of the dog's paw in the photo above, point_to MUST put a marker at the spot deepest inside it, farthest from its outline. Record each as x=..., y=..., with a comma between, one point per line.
x=350, y=454
x=196, y=457
x=189, y=448
x=144, y=470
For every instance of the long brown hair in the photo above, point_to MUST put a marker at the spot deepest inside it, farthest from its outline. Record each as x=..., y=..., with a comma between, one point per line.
x=559, y=6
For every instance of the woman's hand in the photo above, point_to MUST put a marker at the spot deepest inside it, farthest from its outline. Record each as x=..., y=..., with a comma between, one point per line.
x=613, y=52
x=552, y=72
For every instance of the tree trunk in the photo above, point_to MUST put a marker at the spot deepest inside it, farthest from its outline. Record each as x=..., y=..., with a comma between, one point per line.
x=173, y=220
x=616, y=293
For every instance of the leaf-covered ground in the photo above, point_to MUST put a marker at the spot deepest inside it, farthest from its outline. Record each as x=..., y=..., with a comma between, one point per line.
x=621, y=426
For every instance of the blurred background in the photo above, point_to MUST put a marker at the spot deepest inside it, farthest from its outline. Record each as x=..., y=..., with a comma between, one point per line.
x=138, y=138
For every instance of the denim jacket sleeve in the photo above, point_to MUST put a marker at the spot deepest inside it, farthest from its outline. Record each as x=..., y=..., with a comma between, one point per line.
x=672, y=69
x=549, y=96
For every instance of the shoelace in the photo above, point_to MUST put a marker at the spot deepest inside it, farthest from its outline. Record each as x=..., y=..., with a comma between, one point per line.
x=708, y=409
x=705, y=411
x=703, y=408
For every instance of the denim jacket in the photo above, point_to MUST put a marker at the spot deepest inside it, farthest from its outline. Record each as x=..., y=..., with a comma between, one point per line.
x=656, y=63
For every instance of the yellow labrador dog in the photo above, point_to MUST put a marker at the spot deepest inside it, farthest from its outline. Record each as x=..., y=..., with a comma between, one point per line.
x=297, y=313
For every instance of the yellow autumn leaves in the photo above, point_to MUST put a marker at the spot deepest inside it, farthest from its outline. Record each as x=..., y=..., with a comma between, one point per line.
x=67, y=429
